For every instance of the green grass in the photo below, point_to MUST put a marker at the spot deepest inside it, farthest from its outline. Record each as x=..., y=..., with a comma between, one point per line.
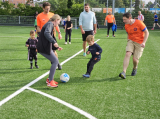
x=104, y=95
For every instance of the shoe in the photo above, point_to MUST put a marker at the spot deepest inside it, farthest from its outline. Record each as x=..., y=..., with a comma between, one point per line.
x=152, y=29
x=37, y=66
x=59, y=67
x=65, y=43
x=31, y=67
x=84, y=54
x=52, y=84
x=86, y=75
x=134, y=72
x=47, y=81
x=122, y=75
x=107, y=35
x=114, y=36
x=69, y=42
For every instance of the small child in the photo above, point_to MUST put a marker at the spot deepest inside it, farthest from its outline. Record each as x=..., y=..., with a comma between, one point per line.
x=96, y=51
x=32, y=49
x=68, y=29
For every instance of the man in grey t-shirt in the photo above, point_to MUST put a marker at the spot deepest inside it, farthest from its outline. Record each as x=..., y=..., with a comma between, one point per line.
x=86, y=21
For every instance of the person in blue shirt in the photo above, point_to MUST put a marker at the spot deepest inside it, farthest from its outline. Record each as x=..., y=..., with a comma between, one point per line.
x=86, y=21
x=155, y=21
x=95, y=51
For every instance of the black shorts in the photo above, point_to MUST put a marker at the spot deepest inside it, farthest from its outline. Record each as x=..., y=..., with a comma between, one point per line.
x=32, y=54
x=84, y=36
x=155, y=21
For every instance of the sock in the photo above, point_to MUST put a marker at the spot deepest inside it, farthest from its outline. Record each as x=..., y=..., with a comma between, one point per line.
x=35, y=63
x=31, y=63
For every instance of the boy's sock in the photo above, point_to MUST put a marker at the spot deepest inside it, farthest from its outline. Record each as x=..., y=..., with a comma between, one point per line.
x=31, y=65
x=36, y=65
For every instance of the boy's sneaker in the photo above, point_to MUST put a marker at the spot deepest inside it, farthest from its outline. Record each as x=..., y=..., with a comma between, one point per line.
x=65, y=43
x=37, y=66
x=107, y=35
x=122, y=75
x=134, y=72
x=59, y=66
x=47, y=81
x=52, y=84
x=152, y=29
x=86, y=75
x=69, y=42
x=84, y=54
x=31, y=67
x=114, y=36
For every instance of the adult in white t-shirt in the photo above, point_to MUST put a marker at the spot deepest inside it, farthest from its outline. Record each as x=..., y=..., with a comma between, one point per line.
x=140, y=16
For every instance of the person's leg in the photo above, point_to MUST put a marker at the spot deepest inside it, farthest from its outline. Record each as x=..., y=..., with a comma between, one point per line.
x=90, y=67
x=158, y=25
x=69, y=32
x=66, y=36
x=54, y=60
x=126, y=61
x=84, y=46
x=135, y=63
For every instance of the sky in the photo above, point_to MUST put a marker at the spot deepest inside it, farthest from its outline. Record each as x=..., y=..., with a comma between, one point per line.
x=146, y=1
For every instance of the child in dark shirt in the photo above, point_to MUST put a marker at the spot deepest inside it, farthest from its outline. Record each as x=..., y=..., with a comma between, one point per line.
x=96, y=51
x=32, y=49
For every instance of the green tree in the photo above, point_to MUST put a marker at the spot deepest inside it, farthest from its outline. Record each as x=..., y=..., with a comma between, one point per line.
x=119, y=4
x=69, y=3
x=137, y=4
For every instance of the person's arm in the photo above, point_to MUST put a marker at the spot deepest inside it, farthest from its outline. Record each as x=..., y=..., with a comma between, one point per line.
x=59, y=33
x=80, y=24
x=27, y=44
x=95, y=24
x=47, y=33
x=146, y=34
x=99, y=49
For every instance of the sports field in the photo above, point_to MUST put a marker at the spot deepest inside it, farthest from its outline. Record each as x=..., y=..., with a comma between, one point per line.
x=25, y=95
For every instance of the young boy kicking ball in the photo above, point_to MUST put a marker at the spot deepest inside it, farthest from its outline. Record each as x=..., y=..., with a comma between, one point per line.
x=96, y=51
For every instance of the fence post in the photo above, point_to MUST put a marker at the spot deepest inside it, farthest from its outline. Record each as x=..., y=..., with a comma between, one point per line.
x=19, y=20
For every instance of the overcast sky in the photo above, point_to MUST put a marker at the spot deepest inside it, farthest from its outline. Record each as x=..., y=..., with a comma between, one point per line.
x=146, y=1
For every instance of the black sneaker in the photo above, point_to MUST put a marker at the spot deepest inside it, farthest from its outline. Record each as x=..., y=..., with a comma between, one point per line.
x=122, y=75
x=134, y=72
x=37, y=66
x=31, y=67
x=59, y=67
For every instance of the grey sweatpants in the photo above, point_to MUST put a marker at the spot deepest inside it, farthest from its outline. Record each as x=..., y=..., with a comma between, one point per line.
x=54, y=60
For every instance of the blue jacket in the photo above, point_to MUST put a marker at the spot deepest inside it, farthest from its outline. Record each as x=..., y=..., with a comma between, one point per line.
x=114, y=27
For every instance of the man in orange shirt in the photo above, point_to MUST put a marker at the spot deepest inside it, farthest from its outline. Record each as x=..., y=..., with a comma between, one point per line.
x=110, y=20
x=43, y=18
x=137, y=37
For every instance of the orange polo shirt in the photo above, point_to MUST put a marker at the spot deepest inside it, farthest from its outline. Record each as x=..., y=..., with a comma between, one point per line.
x=43, y=18
x=136, y=31
x=110, y=18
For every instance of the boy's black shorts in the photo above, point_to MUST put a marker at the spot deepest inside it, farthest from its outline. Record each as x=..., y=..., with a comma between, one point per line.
x=32, y=54
x=84, y=36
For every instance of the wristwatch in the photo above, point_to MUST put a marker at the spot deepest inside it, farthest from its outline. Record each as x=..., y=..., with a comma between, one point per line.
x=59, y=32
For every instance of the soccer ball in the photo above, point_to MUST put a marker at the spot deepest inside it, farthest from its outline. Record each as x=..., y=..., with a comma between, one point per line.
x=64, y=77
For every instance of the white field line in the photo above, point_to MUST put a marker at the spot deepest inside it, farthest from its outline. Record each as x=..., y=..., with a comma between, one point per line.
x=64, y=103
x=34, y=81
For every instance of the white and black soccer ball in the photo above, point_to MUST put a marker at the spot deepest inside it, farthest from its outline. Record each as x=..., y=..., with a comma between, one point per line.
x=64, y=77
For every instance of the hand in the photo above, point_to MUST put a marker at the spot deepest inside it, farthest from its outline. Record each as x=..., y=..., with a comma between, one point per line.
x=55, y=45
x=82, y=31
x=64, y=30
x=59, y=36
x=88, y=52
x=97, y=53
x=59, y=49
x=95, y=31
x=104, y=23
x=143, y=45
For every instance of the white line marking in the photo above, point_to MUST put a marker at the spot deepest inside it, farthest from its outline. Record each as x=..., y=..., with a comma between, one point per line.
x=34, y=81
x=64, y=103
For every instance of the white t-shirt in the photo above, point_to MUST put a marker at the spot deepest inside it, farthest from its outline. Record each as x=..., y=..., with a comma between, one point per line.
x=140, y=17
